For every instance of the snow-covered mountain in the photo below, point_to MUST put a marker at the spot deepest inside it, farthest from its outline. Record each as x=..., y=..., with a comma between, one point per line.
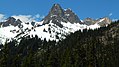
x=55, y=26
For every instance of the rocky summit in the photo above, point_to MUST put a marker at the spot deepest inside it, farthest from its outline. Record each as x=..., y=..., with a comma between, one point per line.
x=57, y=15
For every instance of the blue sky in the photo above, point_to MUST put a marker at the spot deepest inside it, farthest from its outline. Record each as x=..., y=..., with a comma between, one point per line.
x=83, y=8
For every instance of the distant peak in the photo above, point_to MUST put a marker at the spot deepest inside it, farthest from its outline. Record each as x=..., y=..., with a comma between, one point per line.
x=88, y=19
x=105, y=18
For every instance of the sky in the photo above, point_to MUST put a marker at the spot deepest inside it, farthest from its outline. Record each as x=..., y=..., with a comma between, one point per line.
x=40, y=8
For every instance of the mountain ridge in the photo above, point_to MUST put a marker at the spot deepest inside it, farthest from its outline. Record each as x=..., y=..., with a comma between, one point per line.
x=55, y=26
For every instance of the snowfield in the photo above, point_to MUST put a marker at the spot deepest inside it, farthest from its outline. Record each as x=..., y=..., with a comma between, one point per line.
x=49, y=31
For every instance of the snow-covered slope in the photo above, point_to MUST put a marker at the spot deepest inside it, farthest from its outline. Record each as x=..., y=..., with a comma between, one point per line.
x=49, y=31
x=7, y=33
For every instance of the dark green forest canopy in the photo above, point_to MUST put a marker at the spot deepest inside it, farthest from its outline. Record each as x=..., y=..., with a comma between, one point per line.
x=90, y=48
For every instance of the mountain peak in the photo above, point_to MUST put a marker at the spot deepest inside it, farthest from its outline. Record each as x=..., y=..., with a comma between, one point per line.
x=89, y=21
x=11, y=21
x=101, y=21
x=104, y=21
x=56, y=10
x=58, y=15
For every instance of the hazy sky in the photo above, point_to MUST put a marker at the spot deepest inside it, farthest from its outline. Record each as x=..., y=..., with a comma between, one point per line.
x=83, y=8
